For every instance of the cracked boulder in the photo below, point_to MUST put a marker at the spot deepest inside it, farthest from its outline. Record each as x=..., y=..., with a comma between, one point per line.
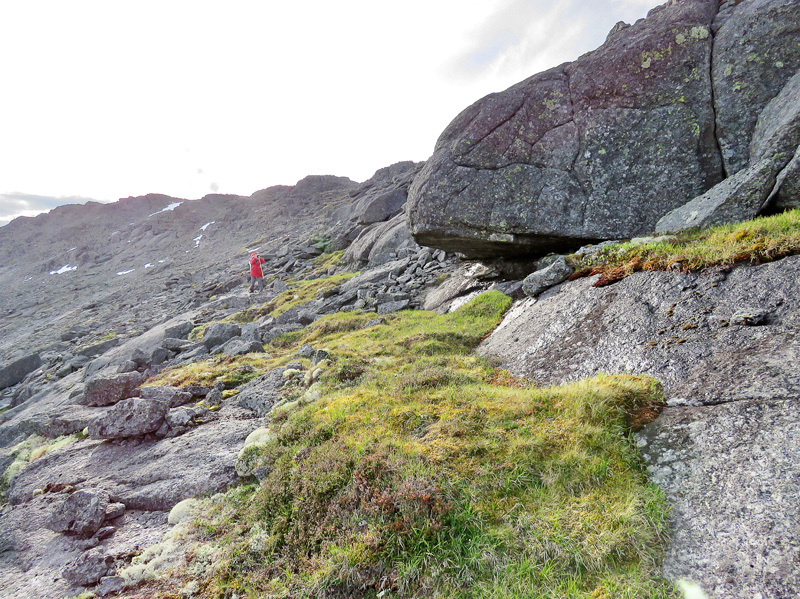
x=603, y=147
x=562, y=158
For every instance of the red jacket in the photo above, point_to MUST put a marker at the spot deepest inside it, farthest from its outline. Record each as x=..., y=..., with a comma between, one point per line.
x=255, y=266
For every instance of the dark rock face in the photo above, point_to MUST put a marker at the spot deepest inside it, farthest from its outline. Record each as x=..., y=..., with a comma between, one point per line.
x=724, y=450
x=603, y=147
x=755, y=54
x=561, y=157
x=18, y=370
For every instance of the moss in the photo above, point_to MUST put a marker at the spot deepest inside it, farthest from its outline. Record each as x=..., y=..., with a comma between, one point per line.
x=757, y=241
x=422, y=471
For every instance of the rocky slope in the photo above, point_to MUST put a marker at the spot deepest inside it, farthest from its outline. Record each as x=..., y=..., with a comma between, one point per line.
x=697, y=104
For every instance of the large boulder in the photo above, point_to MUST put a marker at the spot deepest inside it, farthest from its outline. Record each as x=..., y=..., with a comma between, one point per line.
x=218, y=333
x=755, y=53
x=381, y=243
x=108, y=390
x=130, y=418
x=16, y=371
x=603, y=147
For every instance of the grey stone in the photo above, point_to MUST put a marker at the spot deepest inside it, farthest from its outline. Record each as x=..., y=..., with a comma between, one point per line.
x=389, y=307
x=735, y=199
x=114, y=510
x=82, y=513
x=324, y=354
x=673, y=326
x=306, y=351
x=384, y=206
x=177, y=345
x=18, y=370
x=179, y=417
x=374, y=322
x=260, y=394
x=239, y=347
x=729, y=473
x=108, y=390
x=109, y=585
x=380, y=243
x=750, y=316
x=306, y=317
x=178, y=331
x=173, y=396
x=755, y=55
x=218, y=333
x=585, y=151
x=87, y=569
x=159, y=355
x=129, y=418
x=542, y=280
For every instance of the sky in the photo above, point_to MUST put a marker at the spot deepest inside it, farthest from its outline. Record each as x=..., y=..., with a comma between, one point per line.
x=103, y=100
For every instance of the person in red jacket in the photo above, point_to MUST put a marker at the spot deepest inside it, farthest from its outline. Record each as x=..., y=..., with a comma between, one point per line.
x=256, y=275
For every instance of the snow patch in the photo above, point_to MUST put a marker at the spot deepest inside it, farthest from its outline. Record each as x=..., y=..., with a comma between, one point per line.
x=197, y=241
x=161, y=261
x=63, y=269
x=205, y=226
x=167, y=208
x=125, y=272
x=148, y=265
x=70, y=249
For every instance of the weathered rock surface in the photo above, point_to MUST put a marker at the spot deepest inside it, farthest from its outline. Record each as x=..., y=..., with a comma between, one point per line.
x=561, y=158
x=129, y=418
x=755, y=54
x=18, y=370
x=603, y=147
x=108, y=390
x=81, y=513
x=725, y=448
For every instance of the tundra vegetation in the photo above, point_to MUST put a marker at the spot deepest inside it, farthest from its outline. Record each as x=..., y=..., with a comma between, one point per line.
x=763, y=239
x=413, y=468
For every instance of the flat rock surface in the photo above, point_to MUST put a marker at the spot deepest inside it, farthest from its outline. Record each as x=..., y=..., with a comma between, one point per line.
x=725, y=450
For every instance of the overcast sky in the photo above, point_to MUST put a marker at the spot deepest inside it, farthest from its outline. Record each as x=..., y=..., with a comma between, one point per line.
x=107, y=99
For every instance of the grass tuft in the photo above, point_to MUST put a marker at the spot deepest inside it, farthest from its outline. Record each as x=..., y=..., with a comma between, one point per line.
x=763, y=239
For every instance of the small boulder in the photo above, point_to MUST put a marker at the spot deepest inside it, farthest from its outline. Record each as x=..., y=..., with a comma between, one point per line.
x=129, y=418
x=88, y=568
x=82, y=513
x=178, y=331
x=219, y=332
x=108, y=390
x=174, y=396
x=239, y=347
x=541, y=280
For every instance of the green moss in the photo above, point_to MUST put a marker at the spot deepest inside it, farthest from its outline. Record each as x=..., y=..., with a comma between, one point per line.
x=760, y=240
x=422, y=471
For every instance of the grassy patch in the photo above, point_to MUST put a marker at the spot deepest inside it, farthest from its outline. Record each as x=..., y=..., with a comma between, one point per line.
x=302, y=292
x=422, y=471
x=761, y=240
x=30, y=450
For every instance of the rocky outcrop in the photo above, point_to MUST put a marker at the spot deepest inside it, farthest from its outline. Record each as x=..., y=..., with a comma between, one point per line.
x=603, y=147
x=16, y=371
x=725, y=346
